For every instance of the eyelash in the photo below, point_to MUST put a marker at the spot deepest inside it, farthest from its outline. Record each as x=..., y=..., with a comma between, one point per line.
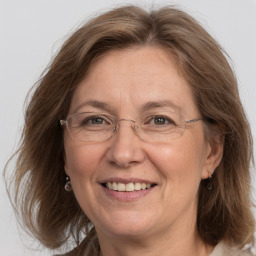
x=149, y=120
x=90, y=120
x=154, y=118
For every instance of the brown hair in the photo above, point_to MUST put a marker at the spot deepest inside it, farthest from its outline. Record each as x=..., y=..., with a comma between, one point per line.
x=50, y=213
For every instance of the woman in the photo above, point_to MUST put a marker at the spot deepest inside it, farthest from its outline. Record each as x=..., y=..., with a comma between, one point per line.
x=136, y=143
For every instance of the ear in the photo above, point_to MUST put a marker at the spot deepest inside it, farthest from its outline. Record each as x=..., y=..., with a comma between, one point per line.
x=213, y=155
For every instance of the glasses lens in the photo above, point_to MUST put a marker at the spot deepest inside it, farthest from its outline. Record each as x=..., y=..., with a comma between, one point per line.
x=160, y=127
x=153, y=127
x=90, y=127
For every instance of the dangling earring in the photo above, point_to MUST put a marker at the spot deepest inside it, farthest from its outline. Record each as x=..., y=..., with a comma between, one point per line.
x=68, y=186
x=209, y=185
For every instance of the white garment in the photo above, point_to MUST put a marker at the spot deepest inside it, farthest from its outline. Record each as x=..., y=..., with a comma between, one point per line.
x=223, y=249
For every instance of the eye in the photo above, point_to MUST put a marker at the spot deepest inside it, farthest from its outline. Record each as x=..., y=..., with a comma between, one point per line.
x=94, y=121
x=159, y=120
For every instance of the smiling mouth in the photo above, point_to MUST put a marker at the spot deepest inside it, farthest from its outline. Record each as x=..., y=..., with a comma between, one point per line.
x=129, y=187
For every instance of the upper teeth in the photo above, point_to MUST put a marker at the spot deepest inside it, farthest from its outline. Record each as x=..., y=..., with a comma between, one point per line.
x=119, y=186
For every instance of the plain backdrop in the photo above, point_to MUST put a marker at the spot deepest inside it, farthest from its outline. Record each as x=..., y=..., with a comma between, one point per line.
x=32, y=31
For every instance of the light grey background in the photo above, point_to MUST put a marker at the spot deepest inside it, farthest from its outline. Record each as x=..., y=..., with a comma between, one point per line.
x=31, y=32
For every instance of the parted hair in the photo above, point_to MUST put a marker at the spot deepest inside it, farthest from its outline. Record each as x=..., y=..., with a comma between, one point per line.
x=36, y=188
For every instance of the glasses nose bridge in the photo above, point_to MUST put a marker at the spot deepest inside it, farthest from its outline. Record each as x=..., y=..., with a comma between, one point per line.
x=131, y=121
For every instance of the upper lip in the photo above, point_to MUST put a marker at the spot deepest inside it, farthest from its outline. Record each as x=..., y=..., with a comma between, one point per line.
x=127, y=180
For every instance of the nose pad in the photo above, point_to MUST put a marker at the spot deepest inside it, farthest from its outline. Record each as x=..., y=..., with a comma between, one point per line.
x=132, y=124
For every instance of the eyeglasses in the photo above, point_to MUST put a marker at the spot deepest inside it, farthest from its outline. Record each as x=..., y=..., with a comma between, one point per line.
x=151, y=127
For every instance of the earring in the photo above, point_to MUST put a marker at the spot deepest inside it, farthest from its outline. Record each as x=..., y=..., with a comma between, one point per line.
x=68, y=186
x=209, y=185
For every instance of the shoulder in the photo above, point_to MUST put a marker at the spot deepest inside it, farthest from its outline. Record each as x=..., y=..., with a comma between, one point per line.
x=223, y=249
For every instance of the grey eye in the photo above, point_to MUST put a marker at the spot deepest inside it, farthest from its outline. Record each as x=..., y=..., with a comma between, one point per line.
x=94, y=120
x=159, y=120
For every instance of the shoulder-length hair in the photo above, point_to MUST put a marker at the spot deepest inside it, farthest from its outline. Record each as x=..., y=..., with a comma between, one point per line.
x=50, y=213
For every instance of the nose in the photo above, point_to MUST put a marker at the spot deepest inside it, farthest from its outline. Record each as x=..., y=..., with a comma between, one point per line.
x=126, y=148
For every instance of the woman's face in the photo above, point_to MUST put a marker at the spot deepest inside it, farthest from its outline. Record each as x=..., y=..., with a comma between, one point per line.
x=126, y=83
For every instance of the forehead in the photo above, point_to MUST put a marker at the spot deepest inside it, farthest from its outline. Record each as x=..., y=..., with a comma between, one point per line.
x=127, y=79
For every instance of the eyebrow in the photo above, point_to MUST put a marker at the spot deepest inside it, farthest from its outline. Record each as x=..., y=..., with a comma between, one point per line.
x=143, y=108
x=96, y=104
x=159, y=104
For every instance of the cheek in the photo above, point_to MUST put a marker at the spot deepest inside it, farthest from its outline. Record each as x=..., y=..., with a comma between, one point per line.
x=181, y=161
x=81, y=160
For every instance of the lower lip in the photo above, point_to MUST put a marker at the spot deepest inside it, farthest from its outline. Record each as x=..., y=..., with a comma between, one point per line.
x=127, y=196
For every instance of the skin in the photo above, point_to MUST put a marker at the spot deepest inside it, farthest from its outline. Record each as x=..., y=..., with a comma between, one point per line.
x=163, y=221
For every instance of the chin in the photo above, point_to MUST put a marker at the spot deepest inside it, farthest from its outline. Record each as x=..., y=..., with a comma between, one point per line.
x=128, y=224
